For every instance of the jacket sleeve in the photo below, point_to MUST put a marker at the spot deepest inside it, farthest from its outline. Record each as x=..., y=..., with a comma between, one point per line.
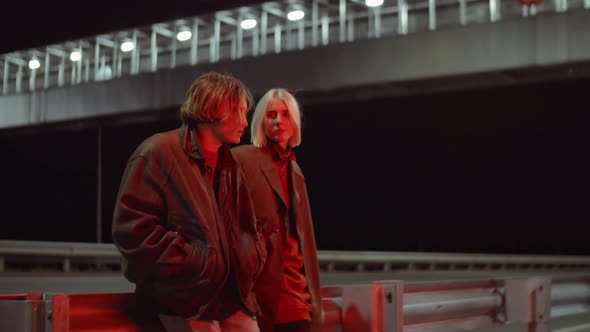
x=153, y=253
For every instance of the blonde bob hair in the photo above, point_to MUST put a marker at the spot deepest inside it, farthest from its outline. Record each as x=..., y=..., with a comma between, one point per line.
x=258, y=137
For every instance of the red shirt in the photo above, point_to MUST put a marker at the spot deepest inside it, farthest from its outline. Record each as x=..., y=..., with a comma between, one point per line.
x=211, y=163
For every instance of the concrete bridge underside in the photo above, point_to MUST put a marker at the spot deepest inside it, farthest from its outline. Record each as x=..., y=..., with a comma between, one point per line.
x=542, y=48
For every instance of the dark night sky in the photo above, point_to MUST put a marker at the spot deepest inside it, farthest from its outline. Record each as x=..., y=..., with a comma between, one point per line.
x=29, y=24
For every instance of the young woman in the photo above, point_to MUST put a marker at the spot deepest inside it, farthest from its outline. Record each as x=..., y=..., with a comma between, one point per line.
x=288, y=290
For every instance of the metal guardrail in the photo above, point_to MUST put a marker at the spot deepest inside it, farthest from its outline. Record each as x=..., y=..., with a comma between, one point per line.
x=386, y=261
x=41, y=254
x=67, y=255
x=528, y=304
x=531, y=304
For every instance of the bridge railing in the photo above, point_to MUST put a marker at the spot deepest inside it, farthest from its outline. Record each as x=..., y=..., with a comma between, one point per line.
x=532, y=304
x=218, y=36
x=68, y=256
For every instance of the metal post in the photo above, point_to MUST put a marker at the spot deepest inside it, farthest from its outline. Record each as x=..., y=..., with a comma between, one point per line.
x=402, y=17
x=263, y=30
x=79, y=62
x=137, y=51
x=99, y=186
x=119, y=66
x=195, y=42
x=216, y=39
x=32, y=79
x=211, y=49
x=19, y=78
x=73, y=75
x=278, y=38
x=239, y=36
x=370, y=24
x=288, y=39
x=255, y=36
x=494, y=10
x=314, y=23
x=350, y=27
x=133, y=57
x=87, y=69
x=301, y=34
x=96, y=57
x=154, y=49
x=463, y=12
x=33, y=74
x=5, y=77
x=342, y=20
x=376, y=307
x=117, y=58
x=173, y=52
x=377, y=21
x=529, y=301
x=61, y=72
x=103, y=66
x=233, y=48
x=46, y=69
x=325, y=30
x=431, y=15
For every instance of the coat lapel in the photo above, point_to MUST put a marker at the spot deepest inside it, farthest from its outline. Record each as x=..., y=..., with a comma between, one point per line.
x=272, y=176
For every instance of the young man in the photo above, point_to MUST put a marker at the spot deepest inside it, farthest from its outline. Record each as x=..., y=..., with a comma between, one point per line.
x=184, y=220
x=288, y=289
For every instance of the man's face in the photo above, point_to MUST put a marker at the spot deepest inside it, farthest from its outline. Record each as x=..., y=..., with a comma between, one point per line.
x=230, y=129
x=277, y=123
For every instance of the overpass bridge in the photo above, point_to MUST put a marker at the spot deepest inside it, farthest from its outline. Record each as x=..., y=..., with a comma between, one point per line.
x=339, y=50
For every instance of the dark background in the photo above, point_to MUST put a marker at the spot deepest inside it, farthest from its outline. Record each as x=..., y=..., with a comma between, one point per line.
x=501, y=170
x=38, y=23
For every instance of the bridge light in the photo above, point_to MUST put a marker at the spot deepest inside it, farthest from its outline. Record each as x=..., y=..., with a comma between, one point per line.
x=373, y=3
x=75, y=56
x=184, y=35
x=127, y=46
x=295, y=15
x=34, y=64
x=248, y=24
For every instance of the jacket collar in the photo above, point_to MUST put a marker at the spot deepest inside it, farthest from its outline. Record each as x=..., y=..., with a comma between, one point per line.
x=190, y=143
x=192, y=148
x=268, y=168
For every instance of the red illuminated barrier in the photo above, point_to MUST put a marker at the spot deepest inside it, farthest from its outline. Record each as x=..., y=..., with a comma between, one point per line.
x=382, y=306
x=28, y=296
x=96, y=312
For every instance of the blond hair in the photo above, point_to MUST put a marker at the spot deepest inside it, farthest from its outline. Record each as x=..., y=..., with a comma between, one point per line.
x=257, y=137
x=208, y=93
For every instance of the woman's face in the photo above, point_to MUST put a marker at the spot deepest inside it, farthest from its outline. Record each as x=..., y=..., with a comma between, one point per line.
x=278, y=124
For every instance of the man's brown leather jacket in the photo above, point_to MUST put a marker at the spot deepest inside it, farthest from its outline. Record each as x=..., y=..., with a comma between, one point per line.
x=177, y=235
